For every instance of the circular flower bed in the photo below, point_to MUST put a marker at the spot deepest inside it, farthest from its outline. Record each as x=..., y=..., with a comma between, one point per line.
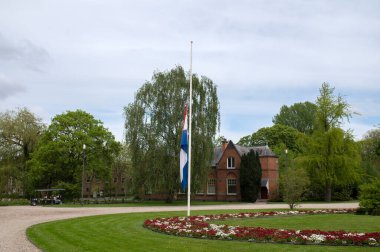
x=198, y=227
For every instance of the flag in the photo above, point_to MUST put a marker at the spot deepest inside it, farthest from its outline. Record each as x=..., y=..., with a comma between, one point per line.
x=183, y=157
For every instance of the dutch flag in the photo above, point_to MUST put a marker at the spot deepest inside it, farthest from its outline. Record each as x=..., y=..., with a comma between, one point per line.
x=183, y=158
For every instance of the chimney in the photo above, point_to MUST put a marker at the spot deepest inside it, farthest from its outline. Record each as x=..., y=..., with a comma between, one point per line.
x=224, y=144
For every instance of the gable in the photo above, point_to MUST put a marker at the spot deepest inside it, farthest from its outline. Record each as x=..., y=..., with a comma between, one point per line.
x=263, y=151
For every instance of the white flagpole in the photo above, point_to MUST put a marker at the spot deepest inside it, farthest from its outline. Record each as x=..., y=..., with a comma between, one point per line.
x=190, y=112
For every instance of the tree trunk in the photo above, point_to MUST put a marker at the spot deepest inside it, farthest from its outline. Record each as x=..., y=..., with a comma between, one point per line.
x=170, y=197
x=328, y=192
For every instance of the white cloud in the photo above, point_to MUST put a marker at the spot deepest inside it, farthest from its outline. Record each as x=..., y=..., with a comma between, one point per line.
x=261, y=54
x=23, y=52
x=8, y=87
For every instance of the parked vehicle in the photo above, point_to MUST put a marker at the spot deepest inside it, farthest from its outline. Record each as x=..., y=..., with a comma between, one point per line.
x=47, y=197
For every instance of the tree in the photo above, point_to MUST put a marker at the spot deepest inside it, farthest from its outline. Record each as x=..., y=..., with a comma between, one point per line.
x=19, y=134
x=154, y=123
x=330, y=154
x=250, y=176
x=370, y=152
x=300, y=116
x=294, y=183
x=331, y=109
x=122, y=169
x=59, y=157
x=275, y=136
x=370, y=196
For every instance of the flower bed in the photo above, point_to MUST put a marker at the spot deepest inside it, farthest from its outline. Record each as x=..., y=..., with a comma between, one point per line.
x=198, y=227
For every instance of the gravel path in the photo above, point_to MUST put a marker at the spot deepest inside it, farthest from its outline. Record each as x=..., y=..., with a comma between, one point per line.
x=14, y=220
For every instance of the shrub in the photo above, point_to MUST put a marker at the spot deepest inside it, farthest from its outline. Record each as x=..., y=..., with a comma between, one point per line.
x=13, y=202
x=376, y=212
x=370, y=195
x=294, y=183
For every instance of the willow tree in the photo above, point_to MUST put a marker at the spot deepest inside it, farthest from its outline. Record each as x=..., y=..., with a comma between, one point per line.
x=153, y=123
x=330, y=153
x=20, y=132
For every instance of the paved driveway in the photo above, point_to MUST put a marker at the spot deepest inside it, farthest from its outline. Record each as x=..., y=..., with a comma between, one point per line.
x=14, y=220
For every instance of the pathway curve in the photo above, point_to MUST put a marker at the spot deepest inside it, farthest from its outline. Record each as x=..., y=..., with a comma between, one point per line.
x=14, y=220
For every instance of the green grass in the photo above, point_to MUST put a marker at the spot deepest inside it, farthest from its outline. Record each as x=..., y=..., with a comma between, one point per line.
x=124, y=232
x=346, y=222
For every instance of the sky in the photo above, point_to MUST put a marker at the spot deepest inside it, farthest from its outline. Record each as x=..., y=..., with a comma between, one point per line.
x=94, y=55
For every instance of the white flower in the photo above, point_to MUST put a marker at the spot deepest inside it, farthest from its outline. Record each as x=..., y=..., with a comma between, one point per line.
x=317, y=238
x=372, y=241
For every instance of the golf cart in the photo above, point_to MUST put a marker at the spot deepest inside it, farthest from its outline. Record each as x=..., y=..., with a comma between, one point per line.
x=47, y=197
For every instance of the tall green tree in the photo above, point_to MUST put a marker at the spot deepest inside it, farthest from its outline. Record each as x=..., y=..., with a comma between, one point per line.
x=330, y=154
x=331, y=109
x=300, y=116
x=250, y=176
x=19, y=134
x=153, y=129
x=58, y=160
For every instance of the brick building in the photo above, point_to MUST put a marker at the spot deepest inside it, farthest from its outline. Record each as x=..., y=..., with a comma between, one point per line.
x=224, y=180
x=223, y=183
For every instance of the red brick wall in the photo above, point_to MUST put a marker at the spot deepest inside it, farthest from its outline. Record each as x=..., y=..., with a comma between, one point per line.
x=269, y=167
x=222, y=174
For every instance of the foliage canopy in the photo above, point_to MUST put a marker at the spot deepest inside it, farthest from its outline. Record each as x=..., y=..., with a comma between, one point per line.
x=154, y=123
x=20, y=132
x=300, y=116
x=58, y=161
x=330, y=154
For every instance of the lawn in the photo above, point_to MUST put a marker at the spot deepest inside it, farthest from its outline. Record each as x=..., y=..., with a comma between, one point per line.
x=124, y=232
x=346, y=222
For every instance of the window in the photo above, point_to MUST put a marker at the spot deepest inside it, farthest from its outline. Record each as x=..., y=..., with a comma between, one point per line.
x=211, y=186
x=230, y=163
x=231, y=186
x=115, y=180
x=122, y=180
x=88, y=180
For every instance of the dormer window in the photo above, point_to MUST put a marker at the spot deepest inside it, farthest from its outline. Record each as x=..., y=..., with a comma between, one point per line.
x=230, y=163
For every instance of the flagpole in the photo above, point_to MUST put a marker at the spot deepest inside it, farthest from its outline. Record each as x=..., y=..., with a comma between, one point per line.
x=190, y=114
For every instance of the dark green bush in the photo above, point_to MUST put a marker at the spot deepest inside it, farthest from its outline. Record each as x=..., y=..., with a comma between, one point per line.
x=376, y=212
x=361, y=211
x=370, y=195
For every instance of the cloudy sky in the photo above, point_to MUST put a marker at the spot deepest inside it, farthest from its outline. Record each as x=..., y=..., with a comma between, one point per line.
x=94, y=55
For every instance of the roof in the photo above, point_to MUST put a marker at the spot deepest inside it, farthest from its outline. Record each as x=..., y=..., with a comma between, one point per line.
x=263, y=151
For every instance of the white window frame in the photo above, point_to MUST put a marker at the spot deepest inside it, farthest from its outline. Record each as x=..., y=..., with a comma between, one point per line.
x=227, y=181
x=232, y=163
x=214, y=184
